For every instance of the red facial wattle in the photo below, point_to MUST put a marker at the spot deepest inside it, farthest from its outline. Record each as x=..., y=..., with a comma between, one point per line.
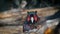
x=28, y=18
x=35, y=18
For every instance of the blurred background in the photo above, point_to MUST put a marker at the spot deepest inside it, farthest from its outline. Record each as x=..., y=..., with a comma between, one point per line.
x=7, y=4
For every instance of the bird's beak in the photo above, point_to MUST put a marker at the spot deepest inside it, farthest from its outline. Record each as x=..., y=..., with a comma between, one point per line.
x=32, y=19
